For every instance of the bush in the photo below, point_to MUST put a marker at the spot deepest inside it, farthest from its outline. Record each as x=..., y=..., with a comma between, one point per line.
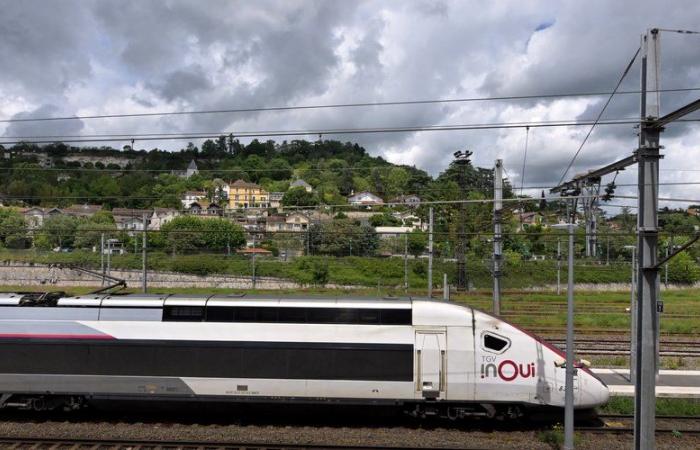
x=197, y=265
x=683, y=269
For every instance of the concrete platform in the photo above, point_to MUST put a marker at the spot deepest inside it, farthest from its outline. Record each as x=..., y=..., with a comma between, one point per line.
x=670, y=383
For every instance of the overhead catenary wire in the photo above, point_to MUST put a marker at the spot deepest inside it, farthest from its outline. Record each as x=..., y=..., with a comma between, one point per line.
x=404, y=129
x=334, y=105
x=600, y=114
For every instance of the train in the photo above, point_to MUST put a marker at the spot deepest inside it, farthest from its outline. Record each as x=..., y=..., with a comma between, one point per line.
x=425, y=356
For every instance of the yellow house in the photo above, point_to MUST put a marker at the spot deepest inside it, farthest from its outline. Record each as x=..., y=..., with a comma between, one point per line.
x=247, y=195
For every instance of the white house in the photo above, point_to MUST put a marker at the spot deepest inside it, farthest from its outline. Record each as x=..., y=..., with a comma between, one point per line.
x=393, y=232
x=190, y=197
x=365, y=199
x=161, y=216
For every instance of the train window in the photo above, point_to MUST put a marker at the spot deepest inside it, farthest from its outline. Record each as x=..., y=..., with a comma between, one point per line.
x=268, y=314
x=495, y=343
x=321, y=315
x=220, y=314
x=347, y=316
x=246, y=314
x=395, y=317
x=292, y=315
x=368, y=316
x=183, y=313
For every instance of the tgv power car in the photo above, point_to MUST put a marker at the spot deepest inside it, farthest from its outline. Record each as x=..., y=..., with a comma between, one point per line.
x=429, y=357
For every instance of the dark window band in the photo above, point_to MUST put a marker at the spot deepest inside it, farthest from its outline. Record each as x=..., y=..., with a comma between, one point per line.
x=210, y=359
x=357, y=316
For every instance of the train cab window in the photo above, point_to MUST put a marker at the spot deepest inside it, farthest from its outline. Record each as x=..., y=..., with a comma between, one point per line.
x=176, y=313
x=494, y=343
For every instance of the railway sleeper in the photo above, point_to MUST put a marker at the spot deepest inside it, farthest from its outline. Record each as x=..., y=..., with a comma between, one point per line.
x=41, y=402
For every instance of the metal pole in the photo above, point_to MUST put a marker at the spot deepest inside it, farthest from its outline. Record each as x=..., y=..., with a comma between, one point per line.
x=144, y=254
x=666, y=268
x=405, y=262
x=497, y=239
x=569, y=386
x=607, y=252
x=558, y=266
x=445, y=288
x=253, y=270
x=109, y=257
x=647, y=243
x=430, y=253
x=633, y=317
x=102, y=257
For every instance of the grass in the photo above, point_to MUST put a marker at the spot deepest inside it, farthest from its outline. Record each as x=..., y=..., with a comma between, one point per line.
x=664, y=406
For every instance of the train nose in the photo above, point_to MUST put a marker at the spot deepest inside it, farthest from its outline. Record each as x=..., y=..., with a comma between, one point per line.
x=596, y=393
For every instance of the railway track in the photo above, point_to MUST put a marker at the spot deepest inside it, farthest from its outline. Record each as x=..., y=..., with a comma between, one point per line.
x=623, y=424
x=598, y=347
x=119, y=444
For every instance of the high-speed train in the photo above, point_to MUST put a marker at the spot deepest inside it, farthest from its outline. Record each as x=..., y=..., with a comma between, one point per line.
x=425, y=356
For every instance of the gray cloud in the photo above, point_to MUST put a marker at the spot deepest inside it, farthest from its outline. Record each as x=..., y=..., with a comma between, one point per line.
x=90, y=56
x=48, y=128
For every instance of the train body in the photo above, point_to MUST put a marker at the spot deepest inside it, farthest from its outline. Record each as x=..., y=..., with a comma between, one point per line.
x=426, y=356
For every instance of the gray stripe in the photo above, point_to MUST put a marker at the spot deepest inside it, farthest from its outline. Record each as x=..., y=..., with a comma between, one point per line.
x=93, y=384
x=45, y=327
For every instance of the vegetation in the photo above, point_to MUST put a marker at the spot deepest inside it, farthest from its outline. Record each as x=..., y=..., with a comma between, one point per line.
x=664, y=406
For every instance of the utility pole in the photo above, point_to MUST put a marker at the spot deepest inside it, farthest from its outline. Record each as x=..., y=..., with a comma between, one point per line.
x=102, y=257
x=144, y=253
x=569, y=367
x=558, y=266
x=405, y=262
x=666, y=266
x=445, y=288
x=647, y=242
x=430, y=252
x=462, y=161
x=497, y=238
x=633, y=313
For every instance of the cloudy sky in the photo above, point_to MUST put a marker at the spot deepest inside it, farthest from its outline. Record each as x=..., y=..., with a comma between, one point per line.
x=110, y=57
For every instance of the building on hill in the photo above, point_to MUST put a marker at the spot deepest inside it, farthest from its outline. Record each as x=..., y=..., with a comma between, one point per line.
x=128, y=219
x=411, y=200
x=301, y=183
x=190, y=197
x=365, y=199
x=393, y=232
x=35, y=216
x=161, y=216
x=187, y=173
x=293, y=222
x=243, y=194
x=276, y=199
x=85, y=210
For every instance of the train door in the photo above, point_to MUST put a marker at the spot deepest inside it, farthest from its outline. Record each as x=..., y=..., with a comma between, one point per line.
x=431, y=364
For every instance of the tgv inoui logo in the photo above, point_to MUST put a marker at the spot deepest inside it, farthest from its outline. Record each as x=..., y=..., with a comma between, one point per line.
x=507, y=370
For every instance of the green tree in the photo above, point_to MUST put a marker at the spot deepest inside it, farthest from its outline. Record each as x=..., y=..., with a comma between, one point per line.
x=417, y=241
x=189, y=233
x=59, y=230
x=683, y=269
x=13, y=231
x=342, y=237
x=298, y=196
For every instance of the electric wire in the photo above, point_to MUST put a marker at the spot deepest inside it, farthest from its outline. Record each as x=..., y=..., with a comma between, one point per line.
x=335, y=105
x=600, y=114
